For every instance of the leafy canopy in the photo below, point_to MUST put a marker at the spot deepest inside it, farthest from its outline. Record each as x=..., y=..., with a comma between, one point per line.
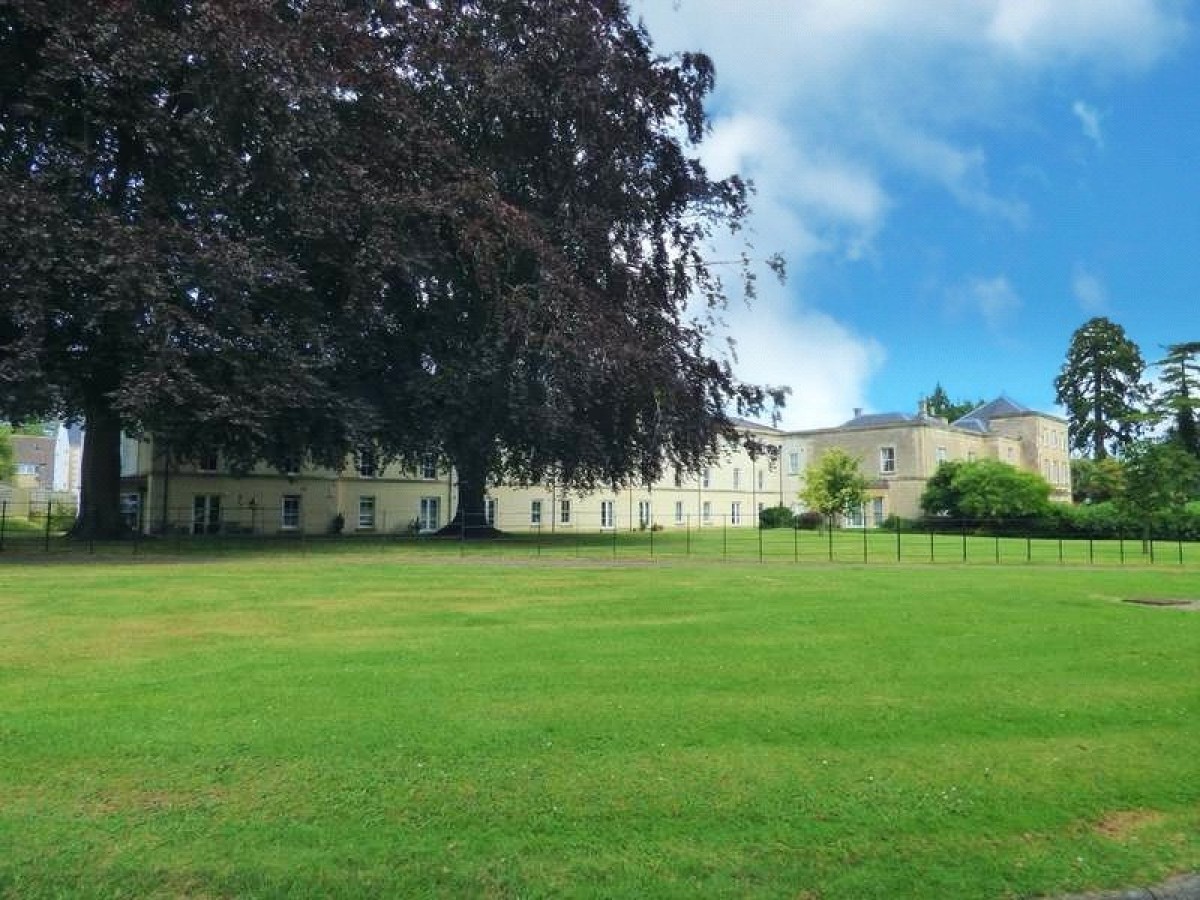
x=1179, y=396
x=835, y=484
x=984, y=489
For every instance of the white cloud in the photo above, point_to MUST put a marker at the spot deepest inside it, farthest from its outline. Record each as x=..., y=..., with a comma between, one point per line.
x=993, y=299
x=1089, y=119
x=830, y=106
x=1090, y=292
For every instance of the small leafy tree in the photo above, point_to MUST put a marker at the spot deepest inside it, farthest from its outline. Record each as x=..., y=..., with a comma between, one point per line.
x=985, y=489
x=1160, y=479
x=939, y=404
x=835, y=485
x=1096, y=481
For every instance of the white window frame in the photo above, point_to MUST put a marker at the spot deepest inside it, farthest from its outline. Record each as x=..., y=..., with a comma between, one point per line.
x=735, y=513
x=289, y=518
x=940, y=455
x=489, y=511
x=607, y=519
x=564, y=511
x=366, y=513
x=429, y=515
x=706, y=479
x=367, y=464
x=737, y=479
x=794, y=462
x=535, y=512
x=645, y=514
x=887, y=460
x=428, y=469
x=678, y=512
x=26, y=468
x=208, y=461
x=706, y=512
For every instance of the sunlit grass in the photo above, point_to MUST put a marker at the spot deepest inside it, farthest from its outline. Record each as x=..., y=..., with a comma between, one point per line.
x=388, y=723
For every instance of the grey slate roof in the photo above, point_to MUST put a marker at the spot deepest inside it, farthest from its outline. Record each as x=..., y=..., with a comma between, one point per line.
x=870, y=420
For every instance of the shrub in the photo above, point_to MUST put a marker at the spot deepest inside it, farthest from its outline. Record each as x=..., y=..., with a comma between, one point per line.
x=810, y=520
x=777, y=517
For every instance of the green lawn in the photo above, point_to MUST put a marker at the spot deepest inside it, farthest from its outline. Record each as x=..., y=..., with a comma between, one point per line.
x=389, y=723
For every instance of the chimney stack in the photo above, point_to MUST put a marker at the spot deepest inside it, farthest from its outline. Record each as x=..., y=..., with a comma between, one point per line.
x=857, y=411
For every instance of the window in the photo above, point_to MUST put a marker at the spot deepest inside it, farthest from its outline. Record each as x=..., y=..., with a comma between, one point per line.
x=941, y=455
x=706, y=511
x=887, y=460
x=606, y=514
x=429, y=468
x=368, y=464
x=678, y=477
x=207, y=461
x=678, y=512
x=489, y=511
x=737, y=479
x=877, y=511
x=564, y=512
x=706, y=478
x=970, y=456
x=535, y=512
x=761, y=478
x=735, y=513
x=26, y=469
x=794, y=463
x=855, y=519
x=644, y=514
x=366, y=512
x=289, y=512
x=291, y=465
x=206, y=514
x=429, y=518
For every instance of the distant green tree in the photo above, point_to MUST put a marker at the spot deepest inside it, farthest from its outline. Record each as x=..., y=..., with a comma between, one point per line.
x=7, y=464
x=1101, y=386
x=985, y=489
x=835, y=485
x=1096, y=481
x=1160, y=478
x=1179, y=399
x=939, y=404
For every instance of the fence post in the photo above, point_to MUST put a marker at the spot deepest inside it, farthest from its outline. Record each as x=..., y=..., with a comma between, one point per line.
x=539, y=539
x=760, y=549
x=1121, y=543
x=1179, y=541
x=897, y=539
x=1151, y=546
x=1060, y=553
x=3, y=519
x=1028, y=547
x=687, y=535
x=724, y=538
x=614, y=532
x=795, y=541
x=964, y=539
x=864, y=518
x=830, y=528
x=1091, y=549
x=48, y=526
x=931, y=542
x=652, y=536
x=462, y=534
x=997, y=548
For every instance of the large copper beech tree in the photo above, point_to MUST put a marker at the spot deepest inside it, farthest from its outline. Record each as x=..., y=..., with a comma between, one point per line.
x=314, y=229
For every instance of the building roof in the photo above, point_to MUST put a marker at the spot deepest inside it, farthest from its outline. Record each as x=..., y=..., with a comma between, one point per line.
x=871, y=420
x=979, y=418
x=752, y=425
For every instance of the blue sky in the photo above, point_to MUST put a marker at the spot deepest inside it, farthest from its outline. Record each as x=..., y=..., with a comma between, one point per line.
x=956, y=184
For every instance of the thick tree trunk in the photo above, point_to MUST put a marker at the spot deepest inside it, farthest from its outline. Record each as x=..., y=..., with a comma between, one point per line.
x=469, y=516
x=100, y=491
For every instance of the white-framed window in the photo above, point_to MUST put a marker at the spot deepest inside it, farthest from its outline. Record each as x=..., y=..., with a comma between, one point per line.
x=429, y=468
x=644, y=514
x=366, y=512
x=887, y=460
x=429, y=518
x=761, y=479
x=970, y=456
x=206, y=514
x=706, y=511
x=877, y=511
x=489, y=511
x=368, y=463
x=289, y=512
x=761, y=506
x=564, y=512
x=794, y=462
x=855, y=519
x=535, y=512
x=678, y=477
x=735, y=513
x=737, y=479
x=678, y=512
x=291, y=465
x=207, y=461
x=941, y=455
x=706, y=479
x=27, y=469
x=606, y=514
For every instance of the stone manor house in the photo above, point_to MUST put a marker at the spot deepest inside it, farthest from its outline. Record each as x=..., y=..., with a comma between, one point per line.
x=898, y=452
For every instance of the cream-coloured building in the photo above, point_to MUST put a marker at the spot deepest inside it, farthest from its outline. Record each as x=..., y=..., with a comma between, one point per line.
x=898, y=452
